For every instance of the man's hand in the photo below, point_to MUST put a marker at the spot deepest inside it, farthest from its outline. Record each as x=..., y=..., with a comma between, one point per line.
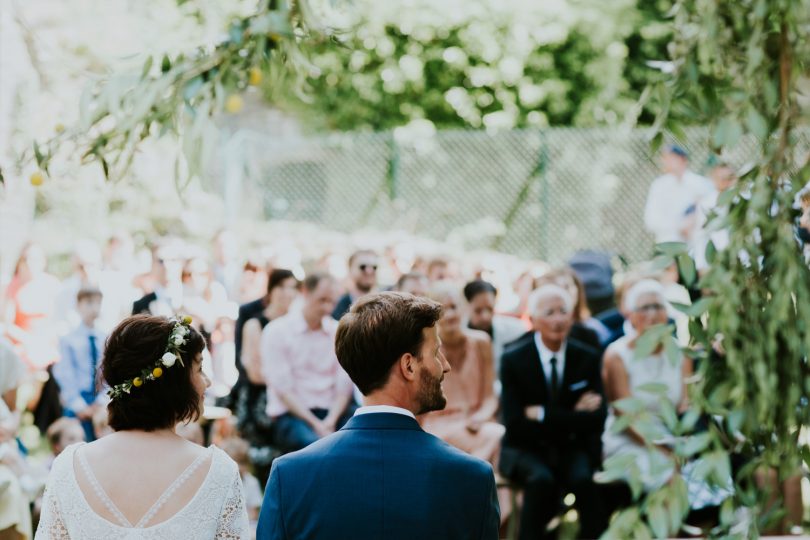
x=86, y=413
x=324, y=428
x=588, y=402
x=533, y=412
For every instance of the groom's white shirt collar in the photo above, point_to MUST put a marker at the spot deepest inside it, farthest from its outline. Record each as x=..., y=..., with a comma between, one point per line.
x=369, y=409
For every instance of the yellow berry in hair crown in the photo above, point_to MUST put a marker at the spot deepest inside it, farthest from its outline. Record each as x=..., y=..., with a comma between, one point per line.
x=187, y=319
x=157, y=372
x=136, y=382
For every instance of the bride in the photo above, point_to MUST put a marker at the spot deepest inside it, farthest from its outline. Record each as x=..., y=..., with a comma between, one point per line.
x=144, y=481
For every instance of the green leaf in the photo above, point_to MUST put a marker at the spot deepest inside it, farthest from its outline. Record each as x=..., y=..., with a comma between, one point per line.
x=673, y=351
x=756, y=123
x=672, y=249
x=38, y=156
x=689, y=420
x=650, y=340
x=693, y=444
x=147, y=67
x=192, y=88
x=235, y=33
x=727, y=196
x=658, y=389
x=629, y=405
x=693, y=310
x=711, y=252
x=659, y=520
x=686, y=266
x=805, y=453
x=669, y=415
x=165, y=64
x=727, y=133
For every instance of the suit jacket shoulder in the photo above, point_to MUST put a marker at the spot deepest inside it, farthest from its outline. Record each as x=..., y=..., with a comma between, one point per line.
x=583, y=349
x=142, y=304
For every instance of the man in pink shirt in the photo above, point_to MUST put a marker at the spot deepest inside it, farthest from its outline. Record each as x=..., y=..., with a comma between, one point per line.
x=308, y=393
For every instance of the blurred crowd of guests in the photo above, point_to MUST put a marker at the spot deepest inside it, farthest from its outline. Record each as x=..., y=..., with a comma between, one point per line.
x=538, y=354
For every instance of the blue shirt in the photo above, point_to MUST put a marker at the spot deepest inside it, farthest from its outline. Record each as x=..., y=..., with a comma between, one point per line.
x=74, y=370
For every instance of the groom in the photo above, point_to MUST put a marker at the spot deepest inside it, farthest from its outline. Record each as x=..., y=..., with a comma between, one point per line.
x=381, y=476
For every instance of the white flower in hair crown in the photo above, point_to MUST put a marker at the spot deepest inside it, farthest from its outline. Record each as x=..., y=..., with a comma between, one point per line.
x=174, y=348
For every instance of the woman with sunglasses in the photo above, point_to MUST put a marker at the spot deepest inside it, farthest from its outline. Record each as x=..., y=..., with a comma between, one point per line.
x=625, y=374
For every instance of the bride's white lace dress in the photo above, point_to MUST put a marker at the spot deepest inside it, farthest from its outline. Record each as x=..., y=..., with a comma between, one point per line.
x=217, y=510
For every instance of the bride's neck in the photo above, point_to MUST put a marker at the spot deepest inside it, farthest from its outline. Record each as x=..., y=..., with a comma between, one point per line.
x=158, y=434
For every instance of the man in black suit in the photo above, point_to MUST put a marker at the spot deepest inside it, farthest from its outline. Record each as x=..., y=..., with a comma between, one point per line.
x=166, y=274
x=554, y=412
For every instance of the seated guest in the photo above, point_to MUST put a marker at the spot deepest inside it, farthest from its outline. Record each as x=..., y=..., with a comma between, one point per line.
x=468, y=420
x=308, y=394
x=554, y=414
x=15, y=514
x=77, y=367
x=586, y=328
x=381, y=476
x=251, y=404
x=415, y=283
x=363, y=266
x=63, y=433
x=480, y=297
x=624, y=373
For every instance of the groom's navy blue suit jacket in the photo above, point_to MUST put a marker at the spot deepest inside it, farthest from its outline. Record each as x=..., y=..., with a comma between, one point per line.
x=380, y=477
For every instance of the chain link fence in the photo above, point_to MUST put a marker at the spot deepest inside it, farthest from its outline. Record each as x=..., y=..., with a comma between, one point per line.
x=536, y=194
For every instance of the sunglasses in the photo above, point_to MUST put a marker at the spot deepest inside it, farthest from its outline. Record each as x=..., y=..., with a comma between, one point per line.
x=650, y=308
x=365, y=267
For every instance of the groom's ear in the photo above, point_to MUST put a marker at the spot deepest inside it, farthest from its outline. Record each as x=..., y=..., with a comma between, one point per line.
x=407, y=366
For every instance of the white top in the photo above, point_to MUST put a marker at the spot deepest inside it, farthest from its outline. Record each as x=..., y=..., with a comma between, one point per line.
x=667, y=203
x=369, y=409
x=217, y=510
x=655, y=368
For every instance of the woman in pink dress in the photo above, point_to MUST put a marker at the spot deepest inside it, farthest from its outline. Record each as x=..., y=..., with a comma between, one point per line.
x=468, y=420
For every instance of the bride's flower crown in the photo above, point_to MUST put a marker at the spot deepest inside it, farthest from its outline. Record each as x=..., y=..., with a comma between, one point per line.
x=173, y=349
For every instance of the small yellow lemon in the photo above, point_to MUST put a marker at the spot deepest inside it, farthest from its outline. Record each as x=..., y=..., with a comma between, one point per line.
x=186, y=319
x=157, y=372
x=37, y=178
x=234, y=103
x=136, y=382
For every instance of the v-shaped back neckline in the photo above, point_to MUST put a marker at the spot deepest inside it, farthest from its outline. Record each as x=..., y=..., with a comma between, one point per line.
x=159, y=502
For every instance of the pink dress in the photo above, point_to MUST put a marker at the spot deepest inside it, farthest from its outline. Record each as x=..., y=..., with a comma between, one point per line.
x=468, y=386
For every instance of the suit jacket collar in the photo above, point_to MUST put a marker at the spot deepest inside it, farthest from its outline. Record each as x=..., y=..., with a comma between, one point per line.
x=382, y=421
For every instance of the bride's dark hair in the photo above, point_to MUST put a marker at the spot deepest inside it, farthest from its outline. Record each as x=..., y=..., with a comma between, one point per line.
x=135, y=344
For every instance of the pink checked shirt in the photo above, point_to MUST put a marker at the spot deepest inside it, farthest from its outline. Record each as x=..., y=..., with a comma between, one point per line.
x=302, y=362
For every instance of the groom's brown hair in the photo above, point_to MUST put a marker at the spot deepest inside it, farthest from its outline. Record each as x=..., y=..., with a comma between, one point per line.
x=377, y=331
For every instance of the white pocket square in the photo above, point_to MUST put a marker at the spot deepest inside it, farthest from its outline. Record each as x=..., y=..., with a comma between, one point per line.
x=578, y=385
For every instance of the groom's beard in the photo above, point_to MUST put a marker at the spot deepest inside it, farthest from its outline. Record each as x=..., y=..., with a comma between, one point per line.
x=430, y=396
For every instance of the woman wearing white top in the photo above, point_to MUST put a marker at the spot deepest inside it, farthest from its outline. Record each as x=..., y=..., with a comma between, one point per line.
x=624, y=374
x=144, y=481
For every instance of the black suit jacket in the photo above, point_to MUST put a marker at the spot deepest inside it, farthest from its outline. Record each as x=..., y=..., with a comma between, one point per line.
x=142, y=305
x=562, y=429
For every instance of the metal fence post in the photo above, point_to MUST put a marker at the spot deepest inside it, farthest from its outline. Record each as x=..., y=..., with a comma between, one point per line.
x=545, y=204
x=392, y=174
